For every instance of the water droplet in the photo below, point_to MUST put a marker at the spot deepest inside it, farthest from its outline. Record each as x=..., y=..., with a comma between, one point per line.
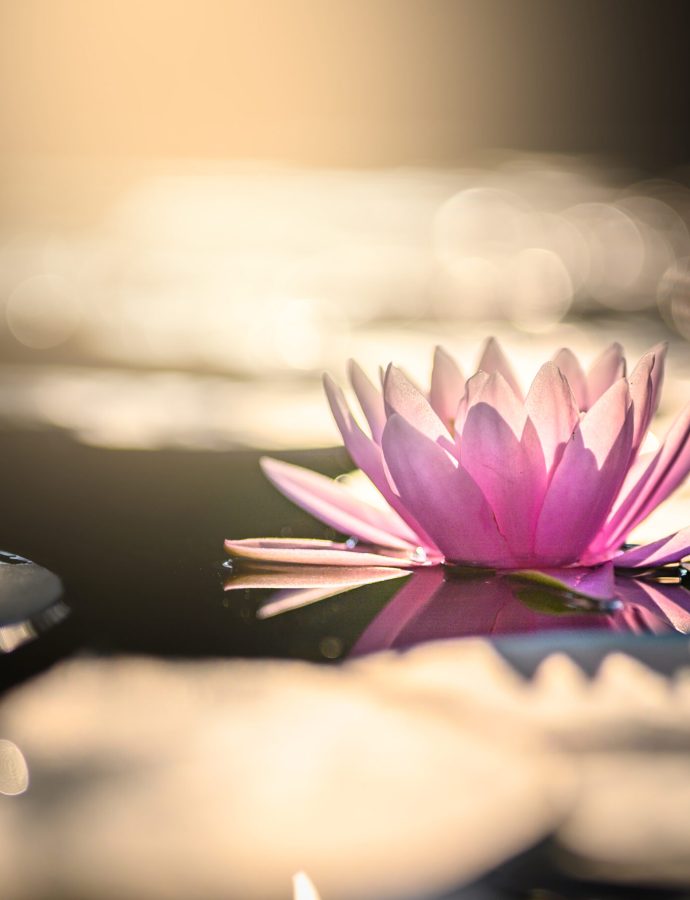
x=419, y=555
x=351, y=543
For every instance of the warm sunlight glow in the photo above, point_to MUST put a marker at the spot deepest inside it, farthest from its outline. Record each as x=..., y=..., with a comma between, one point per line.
x=303, y=887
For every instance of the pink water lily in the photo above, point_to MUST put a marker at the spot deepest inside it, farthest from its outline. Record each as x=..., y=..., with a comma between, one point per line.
x=475, y=473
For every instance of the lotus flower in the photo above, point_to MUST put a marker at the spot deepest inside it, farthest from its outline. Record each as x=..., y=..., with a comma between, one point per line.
x=474, y=473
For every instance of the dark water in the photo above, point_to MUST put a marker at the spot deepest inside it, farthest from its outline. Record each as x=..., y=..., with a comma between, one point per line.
x=137, y=539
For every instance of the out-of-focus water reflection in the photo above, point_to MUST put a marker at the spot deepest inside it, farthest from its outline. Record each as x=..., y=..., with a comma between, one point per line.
x=436, y=604
x=14, y=772
x=259, y=269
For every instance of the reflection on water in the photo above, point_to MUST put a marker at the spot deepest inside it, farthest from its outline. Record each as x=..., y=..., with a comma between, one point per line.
x=436, y=603
x=431, y=607
x=180, y=258
x=297, y=586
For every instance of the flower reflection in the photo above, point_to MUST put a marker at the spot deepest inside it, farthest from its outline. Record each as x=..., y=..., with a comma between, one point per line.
x=434, y=603
x=431, y=606
x=297, y=586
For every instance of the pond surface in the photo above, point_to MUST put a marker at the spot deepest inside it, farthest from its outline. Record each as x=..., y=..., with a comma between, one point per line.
x=136, y=538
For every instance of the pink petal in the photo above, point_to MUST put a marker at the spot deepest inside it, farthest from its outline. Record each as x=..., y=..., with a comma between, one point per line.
x=596, y=582
x=493, y=359
x=335, y=504
x=638, y=472
x=495, y=391
x=604, y=371
x=570, y=366
x=402, y=397
x=473, y=391
x=447, y=387
x=370, y=399
x=668, y=468
x=587, y=479
x=368, y=457
x=443, y=497
x=508, y=469
x=645, y=389
x=551, y=407
x=607, y=541
x=317, y=553
x=670, y=549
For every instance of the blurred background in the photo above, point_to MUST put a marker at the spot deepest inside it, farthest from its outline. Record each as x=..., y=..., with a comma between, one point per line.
x=205, y=204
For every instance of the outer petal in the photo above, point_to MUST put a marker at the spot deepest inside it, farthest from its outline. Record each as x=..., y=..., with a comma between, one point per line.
x=495, y=391
x=333, y=503
x=508, y=468
x=473, y=391
x=667, y=469
x=368, y=457
x=493, y=359
x=604, y=372
x=645, y=389
x=569, y=364
x=669, y=549
x=444, y=498
x=370, y=399
x=551, y=406
x=587, y=479
x=402, y=397
x=317, y=553
x=447, y=387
